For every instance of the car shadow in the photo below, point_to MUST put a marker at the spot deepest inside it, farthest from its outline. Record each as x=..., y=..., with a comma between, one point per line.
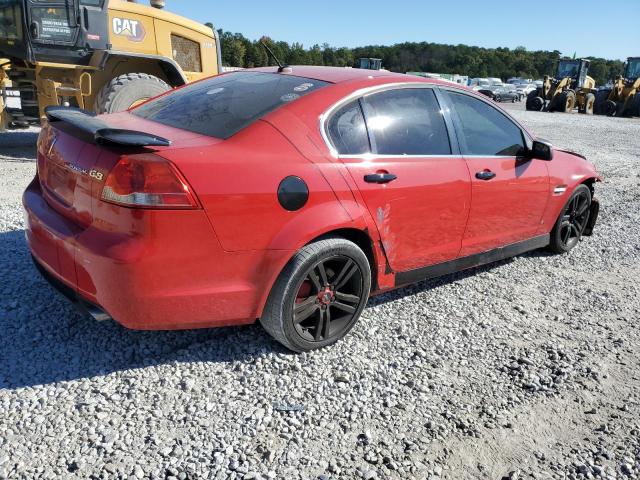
x=46, y=340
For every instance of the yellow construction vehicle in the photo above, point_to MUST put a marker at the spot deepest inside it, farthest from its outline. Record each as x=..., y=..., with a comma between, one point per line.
x=572, y=87
x=623, y=99
x=100, y=55
x=369, y=63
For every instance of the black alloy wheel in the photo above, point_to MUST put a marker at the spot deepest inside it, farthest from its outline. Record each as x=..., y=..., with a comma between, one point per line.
x=319, y=295
x=570, y=226
x=327, y=299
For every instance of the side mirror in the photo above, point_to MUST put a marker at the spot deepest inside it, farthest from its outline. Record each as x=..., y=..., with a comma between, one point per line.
x=541, y=150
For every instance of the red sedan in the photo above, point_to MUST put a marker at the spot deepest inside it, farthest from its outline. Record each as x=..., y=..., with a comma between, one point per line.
x=289, y=196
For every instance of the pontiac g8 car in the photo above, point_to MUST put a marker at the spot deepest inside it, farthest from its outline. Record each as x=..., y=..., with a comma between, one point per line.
x=290, y=196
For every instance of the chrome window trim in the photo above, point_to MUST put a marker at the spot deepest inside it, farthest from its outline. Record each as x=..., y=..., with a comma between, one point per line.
x=371, y=156
x=358, y=94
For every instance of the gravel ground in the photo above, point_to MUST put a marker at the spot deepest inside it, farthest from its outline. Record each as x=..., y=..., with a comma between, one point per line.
x=524, y=369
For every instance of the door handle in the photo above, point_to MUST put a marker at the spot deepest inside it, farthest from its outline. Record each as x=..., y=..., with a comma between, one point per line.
x=380, y=177
x=485, y=175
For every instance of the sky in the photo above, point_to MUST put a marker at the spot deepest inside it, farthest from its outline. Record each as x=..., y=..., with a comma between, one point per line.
x=588, y=28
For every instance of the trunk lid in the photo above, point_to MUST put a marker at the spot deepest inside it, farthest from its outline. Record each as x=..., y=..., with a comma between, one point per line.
x=76, y=152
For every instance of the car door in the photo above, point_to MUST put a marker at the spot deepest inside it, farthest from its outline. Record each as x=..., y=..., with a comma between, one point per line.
x=509, y=191
x=414, y=184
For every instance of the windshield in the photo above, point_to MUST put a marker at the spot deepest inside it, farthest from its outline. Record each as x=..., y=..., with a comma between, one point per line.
x=568, y=69
x=633, y=68
x=10, y=20
x=222, y=106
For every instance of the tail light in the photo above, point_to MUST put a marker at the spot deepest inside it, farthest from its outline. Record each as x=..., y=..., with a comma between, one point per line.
x=147, y=181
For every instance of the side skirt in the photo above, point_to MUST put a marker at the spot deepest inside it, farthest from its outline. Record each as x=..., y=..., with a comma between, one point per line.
x=445, y=268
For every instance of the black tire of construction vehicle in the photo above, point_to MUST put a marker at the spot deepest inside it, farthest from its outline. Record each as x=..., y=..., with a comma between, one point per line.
x=534, y=101
x=635, y=105
x=601, y=97
x=589, y=104
x=127, y=90
x=565, y=102
x=610, y=108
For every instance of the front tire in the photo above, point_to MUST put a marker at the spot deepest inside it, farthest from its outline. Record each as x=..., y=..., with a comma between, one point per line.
x=127, y=91
x=319, y=295
x=573, y=219
x=566, y=102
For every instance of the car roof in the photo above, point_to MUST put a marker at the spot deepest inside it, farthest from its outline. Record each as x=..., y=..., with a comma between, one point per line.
x=345, y=74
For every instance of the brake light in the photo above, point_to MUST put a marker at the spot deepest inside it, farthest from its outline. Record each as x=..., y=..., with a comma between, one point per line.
x=147, y=181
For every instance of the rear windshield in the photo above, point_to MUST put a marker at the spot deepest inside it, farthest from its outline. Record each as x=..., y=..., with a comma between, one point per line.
x=222, y=106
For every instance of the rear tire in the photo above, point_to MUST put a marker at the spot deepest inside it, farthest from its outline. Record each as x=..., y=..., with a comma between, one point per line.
x=127, y=90
x=573, y=219
x=319, y=295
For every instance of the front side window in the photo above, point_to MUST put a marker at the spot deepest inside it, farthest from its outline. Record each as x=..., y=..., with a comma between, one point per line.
x=568, y=69
x=484, y=130
x=406, y=121
x=633, y=69
x=222, y=106
x=347, y=130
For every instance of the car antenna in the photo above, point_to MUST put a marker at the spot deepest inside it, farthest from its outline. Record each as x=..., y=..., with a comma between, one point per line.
x=281, y=67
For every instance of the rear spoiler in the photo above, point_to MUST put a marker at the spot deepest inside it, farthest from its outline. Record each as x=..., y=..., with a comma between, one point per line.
x=102, y=133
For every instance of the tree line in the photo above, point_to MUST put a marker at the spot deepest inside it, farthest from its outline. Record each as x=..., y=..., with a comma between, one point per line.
x=239, y=51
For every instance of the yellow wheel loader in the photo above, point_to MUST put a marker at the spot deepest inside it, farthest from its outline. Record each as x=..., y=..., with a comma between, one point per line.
x=572, y=87
x=624, y=98
x=369, y=63
x=101, y=55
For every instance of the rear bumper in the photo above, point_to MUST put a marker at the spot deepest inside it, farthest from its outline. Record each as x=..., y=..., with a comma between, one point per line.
x=149, y=270
x=83, y=305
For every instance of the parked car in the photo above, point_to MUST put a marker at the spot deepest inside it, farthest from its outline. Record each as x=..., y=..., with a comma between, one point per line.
x=487, y=92
x=479, y=83
x=525, y=88
x=501, y=93
x=508, y=93
x=290, y=196
x=518, y=80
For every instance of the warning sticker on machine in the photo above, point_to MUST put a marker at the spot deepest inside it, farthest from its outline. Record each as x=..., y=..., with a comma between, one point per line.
x=52, y=28
x=53, y=24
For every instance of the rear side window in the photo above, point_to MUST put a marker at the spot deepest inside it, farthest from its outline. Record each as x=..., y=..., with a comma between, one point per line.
x=347, y=130
x=406, y=121
x=484, y=130
x=222, y=106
